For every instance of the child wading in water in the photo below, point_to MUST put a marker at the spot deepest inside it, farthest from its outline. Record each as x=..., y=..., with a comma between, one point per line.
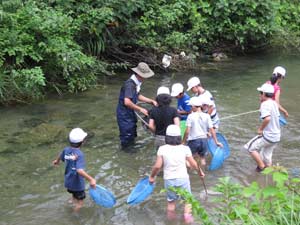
x=74, y=169
x=196, y=87
x=183, y=107
x=261, y=147
x=198, y=124
x=172, y=157
x=162, y=116
x=277, y=76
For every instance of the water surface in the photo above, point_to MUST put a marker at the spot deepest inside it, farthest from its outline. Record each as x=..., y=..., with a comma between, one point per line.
x=32, y=136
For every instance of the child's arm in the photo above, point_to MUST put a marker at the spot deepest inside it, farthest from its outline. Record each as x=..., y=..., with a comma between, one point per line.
x=56, y=161
x=213, y=132
x=155, y=169
x=182, y=112
x=186, y=134
x=152, y=125
x=264, y=123
x=210, y=109
x=195, y=165
x=88, y=177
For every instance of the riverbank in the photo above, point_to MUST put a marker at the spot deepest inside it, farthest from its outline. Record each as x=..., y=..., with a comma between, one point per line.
x=69, y=46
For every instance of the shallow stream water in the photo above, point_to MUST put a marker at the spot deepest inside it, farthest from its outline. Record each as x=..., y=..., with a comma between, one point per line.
x=32, y=136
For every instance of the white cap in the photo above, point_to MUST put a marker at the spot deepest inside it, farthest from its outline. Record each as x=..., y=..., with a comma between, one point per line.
x=279, y=70
x=192, y=82
x=77, y=135
x=266, y=88
x=163, y=90
x=173, y=130
x=195, y=101
x=176, y=89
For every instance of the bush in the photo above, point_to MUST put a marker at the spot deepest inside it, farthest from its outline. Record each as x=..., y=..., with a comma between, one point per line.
x=277, y=203
x=22, y=85
x=41, y=38
x=185, y=24
x=74, y=42
x=288, y=26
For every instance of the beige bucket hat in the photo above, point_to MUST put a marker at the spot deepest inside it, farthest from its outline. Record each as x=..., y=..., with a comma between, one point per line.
x=143, y=70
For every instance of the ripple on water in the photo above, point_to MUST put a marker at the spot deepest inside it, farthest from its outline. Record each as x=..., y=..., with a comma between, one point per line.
x=29, y=197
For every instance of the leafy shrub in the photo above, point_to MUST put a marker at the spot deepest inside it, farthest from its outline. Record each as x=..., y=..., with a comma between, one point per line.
x=287, y=25
x=233, y=22
x=22, y=85
x=75, y=42
x=36, y=37
x=277, y=203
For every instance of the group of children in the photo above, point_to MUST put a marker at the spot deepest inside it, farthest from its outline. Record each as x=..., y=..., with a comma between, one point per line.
x=174, y=152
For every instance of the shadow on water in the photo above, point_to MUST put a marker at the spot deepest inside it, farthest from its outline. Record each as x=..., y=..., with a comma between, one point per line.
x=32, y=136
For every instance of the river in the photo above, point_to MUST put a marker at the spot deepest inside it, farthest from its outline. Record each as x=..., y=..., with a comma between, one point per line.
x=32, y=136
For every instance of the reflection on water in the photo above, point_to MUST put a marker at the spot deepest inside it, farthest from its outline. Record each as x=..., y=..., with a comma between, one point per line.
x=32, y=136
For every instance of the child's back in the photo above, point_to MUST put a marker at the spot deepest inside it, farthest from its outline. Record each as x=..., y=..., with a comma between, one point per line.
x=199, y=124
x=75, y=167
x=174, y=160
x=74, y=159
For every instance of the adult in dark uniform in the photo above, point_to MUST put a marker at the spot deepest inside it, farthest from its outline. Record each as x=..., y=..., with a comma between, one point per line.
x=129, y=95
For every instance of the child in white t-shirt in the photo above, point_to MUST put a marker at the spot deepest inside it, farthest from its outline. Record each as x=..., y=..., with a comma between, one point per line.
x=198, y=124
x=172, y=157
x=268, y=132
x=196, y=87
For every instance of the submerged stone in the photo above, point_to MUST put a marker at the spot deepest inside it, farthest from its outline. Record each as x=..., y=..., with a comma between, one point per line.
x=42, y=134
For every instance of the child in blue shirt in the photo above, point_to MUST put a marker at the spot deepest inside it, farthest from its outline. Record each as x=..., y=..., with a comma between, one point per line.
x=74, y=161
x=183, y=108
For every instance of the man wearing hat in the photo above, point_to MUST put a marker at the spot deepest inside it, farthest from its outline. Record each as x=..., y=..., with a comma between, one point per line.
x=268, y=132
x=129, y=95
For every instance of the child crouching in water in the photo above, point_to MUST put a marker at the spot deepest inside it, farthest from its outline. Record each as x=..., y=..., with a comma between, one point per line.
x=172, y=157
x=74, y=161
x=198, y=124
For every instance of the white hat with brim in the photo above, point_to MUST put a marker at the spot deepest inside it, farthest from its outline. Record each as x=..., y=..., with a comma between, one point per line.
x=77, y=135
x=143, y=70
x=163, y=90
x=195, y=101
x=176, y=89
x=279, y=70
x=173, y=130
x=192, y=82
x=266, y=88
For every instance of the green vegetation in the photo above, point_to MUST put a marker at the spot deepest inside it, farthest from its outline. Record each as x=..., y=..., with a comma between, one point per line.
x=65, y=45
x=277, y=203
